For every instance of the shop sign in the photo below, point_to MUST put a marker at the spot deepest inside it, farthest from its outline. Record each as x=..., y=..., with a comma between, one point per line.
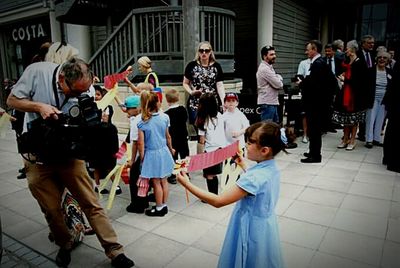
x=28, y=32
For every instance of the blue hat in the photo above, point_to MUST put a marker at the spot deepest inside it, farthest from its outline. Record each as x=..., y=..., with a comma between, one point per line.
x=132, y=101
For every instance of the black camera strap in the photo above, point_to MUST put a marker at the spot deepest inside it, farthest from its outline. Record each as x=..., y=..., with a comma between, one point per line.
x=55, y=89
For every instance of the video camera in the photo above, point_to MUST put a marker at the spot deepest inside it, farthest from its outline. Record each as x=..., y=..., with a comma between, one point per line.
x=52, y=141
x=83, y=114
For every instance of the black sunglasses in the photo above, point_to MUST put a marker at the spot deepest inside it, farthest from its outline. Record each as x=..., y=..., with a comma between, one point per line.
x=207, y=50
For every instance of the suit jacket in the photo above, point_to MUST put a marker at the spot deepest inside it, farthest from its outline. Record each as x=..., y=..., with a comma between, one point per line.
x=338, y=64
x=318, y=88
x=392, y=96
x=372, y=54
x=370, y=76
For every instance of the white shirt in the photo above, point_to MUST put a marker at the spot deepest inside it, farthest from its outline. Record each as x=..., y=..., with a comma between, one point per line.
x=134, y=132
x=214, y=134
x=304, y=67
x=235, y=121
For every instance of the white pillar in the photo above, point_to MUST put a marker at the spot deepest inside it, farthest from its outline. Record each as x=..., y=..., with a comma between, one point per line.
x=55, y=27
x=78, y=36
x=265, y=24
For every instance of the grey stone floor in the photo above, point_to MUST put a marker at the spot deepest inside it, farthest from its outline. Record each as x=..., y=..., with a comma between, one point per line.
x=343, y=212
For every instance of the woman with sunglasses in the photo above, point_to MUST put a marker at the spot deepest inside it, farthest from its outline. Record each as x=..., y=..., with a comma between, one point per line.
x=203, y=75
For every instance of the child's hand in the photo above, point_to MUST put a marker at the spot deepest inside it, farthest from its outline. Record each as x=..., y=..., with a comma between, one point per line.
x=182, y=178
x=129, y=69
x=235, y=134
x=104, y=117
x=239, y=160
x=129, y=164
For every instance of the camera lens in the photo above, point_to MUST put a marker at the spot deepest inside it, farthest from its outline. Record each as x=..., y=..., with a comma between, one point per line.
x=74, y=111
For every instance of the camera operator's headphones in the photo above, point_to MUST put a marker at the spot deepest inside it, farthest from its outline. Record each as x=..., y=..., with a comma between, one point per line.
x=54, y=82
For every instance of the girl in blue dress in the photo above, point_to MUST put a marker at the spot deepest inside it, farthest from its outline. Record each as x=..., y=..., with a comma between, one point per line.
x=155, y=150
x=252, y=237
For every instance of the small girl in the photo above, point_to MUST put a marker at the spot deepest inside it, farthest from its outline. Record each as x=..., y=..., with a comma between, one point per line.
x=252, y=238
x=155, y=150
x=211, y=135
x=104, y=160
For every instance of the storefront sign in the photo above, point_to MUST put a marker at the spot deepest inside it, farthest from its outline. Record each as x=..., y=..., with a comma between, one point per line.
x=28, y=32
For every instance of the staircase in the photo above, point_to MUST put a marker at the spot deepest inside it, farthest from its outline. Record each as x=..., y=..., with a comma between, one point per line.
x=157, y=32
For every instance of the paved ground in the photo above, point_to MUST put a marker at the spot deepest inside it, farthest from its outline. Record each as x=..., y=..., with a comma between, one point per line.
x=343, y=212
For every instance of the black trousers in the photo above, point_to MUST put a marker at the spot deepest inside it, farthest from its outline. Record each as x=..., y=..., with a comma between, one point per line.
x=137, y=201
x=181, y=148
x=314, y=132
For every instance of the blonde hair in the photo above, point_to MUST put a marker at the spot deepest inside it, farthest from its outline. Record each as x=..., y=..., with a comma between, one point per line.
x=148, y=104
x=145, y=86
x=145, y=62
x=60, y=53
x=212, y=56
x=172, y=95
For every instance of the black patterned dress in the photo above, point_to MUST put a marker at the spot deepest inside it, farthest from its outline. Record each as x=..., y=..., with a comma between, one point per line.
x=203, y=78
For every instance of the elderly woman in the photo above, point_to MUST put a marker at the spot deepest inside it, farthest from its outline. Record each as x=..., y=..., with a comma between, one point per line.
x=203, y=75
x=352, y=101
x=376, y=114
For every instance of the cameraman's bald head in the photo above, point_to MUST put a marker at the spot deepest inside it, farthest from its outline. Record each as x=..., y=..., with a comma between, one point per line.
x=75, y=77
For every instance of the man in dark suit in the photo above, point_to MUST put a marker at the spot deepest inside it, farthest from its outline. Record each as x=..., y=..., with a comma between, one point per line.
x=335, y=65
x=367, y=56
x=317, y=90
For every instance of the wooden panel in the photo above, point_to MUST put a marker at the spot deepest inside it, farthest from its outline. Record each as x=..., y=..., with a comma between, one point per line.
x=293, y=27
x=245, y=45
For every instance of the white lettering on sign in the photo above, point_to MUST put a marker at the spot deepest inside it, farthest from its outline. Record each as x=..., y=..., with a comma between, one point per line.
x=247, y=110
x=28, y=32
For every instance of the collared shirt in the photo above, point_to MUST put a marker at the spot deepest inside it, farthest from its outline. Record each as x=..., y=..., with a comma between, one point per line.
x=36, y=84
x=368, y=59
x=331, y=64
x=268, y=84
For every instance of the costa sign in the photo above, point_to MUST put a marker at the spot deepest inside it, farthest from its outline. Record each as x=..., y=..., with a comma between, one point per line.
x=28, y=32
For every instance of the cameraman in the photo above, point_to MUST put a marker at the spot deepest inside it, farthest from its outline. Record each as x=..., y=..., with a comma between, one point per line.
x=46, y=89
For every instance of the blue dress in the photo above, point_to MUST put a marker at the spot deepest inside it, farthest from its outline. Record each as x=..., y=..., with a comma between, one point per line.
x=252, y=238
x=157, y=162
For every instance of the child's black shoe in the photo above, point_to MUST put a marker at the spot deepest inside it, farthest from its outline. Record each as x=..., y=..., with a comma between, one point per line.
x=153, y=212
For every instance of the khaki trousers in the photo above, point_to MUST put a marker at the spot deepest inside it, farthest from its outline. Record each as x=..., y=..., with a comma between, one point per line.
x=46, y=183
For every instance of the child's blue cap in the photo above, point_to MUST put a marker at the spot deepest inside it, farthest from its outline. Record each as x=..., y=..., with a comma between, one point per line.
x=132, y=101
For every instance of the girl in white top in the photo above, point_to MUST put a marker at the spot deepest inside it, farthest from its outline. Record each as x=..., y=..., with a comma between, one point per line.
x=212, y=134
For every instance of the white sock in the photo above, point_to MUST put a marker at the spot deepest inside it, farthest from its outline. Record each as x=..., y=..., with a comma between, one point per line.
x=160, y=207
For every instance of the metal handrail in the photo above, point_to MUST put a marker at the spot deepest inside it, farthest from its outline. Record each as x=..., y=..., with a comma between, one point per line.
x=157, y=32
